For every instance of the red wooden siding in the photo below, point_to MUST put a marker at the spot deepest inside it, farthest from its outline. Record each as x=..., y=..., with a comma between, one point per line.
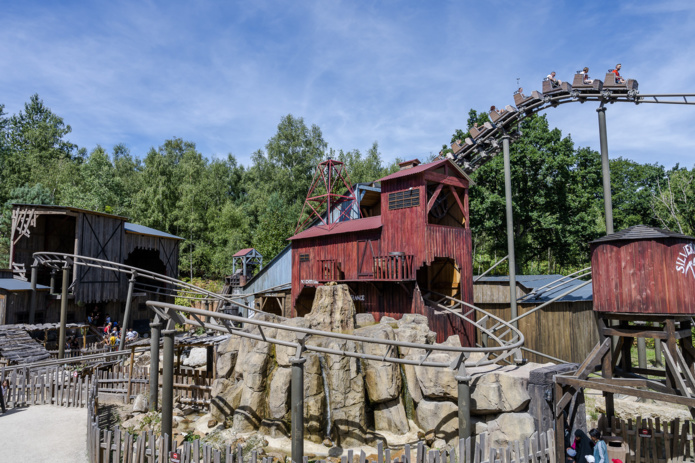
x=642, y=277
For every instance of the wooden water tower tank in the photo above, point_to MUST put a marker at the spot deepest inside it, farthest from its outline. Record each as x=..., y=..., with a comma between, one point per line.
x=644, y=270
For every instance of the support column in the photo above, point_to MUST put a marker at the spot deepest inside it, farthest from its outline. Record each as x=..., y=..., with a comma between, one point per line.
x=642, y=352
x=464, y=405
x=128, y=305
x=606, y=170
x=52, y=284
x=168, y=383
x=510, y=234
x=63, y=311
x=297, y=403
x=32, y=304
x=155, y=329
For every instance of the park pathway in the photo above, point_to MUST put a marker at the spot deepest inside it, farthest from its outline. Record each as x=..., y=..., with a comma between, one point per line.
x=44, y=433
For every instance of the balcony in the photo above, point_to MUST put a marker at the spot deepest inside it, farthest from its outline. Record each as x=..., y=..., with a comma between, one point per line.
x=396, y=266
x=329, y=270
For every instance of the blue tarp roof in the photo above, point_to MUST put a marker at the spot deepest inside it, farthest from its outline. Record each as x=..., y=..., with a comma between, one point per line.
x=12, y=284
x=143, y=230
x=532, y=282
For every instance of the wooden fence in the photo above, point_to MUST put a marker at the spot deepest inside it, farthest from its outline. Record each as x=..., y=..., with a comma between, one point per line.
x=49, y=385
x=190, y=386
x=658, y=442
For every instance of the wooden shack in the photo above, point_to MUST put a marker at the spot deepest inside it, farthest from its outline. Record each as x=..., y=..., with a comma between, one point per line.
x=644, y=270
x=415, y=239
x=563, y=330
x=64, y=229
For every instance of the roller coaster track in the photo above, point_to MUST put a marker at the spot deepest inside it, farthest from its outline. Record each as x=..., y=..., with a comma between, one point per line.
x=476, y=152
x=503, y=340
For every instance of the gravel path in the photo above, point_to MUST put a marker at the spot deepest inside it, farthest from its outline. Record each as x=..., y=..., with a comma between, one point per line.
x=44, y=433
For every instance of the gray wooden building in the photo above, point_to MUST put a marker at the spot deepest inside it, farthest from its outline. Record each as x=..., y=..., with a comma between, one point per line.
x=70, y=230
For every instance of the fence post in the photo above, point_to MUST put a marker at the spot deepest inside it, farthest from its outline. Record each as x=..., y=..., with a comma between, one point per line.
x=63, y=311
x=155, y=329
x=297, y=402
x=128, y=304
x=168, y=382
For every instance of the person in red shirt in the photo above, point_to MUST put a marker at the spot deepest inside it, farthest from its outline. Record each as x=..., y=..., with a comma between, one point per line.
x=616, y=71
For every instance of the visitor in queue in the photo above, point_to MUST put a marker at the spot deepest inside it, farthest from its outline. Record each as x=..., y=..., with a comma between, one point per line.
x=600, y=448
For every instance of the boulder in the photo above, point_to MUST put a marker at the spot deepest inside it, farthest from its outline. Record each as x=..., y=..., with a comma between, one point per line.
x=383, y=379
x=437, y=382
x=197, y=358
x=500, y=391
x=413, y=318
x=314, y=399
x=252, y=372
x=226, y=396
x=509, y=427
x=279, y=394
x=390, y=417
x=230, y=345
x=225, y=364
x=414, y=333
x=333, y=309
x=364, y=319
x=440, y=417
x=412, y=383
x=283, y=354
x=140, y=404
x=388, y=320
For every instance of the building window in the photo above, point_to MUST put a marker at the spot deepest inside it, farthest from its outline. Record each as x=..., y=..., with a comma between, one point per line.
x=304, y=258
x=404, y=199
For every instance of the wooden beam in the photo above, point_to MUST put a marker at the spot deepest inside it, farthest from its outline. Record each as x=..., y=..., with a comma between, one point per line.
x=440, y=178
x=615, y=389
x=434, y=197
x=458, y=201
x=637, y=332
x=593, y=359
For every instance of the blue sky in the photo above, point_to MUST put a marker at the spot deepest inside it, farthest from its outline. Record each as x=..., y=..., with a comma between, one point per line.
x=405, y=74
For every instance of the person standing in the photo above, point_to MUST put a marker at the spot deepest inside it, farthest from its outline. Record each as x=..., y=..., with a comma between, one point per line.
x=600, y=448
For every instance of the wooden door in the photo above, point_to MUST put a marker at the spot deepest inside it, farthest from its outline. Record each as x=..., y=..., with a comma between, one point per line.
x=366, y=251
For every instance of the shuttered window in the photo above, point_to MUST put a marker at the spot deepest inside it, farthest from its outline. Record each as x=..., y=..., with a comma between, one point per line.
x=404, y=199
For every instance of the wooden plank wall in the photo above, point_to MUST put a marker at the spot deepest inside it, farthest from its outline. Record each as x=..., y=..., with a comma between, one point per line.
x=100, y=237
x=565, y=330
x=168, y=250
x=642, y=277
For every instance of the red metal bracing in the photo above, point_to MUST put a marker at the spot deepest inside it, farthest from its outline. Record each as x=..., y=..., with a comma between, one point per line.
x=330, y=187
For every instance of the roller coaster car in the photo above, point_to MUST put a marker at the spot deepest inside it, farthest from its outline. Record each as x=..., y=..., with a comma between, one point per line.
x=456, y=146
x=550, y=89
x=501, y=116
x=476, y=132
x=578, y=84
x=629, y=86
x=521, y=100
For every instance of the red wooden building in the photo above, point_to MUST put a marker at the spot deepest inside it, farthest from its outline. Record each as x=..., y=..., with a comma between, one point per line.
x=644, y=270
x=412, y=239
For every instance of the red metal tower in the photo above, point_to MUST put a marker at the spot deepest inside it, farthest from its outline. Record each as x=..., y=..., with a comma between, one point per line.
x=330, y=187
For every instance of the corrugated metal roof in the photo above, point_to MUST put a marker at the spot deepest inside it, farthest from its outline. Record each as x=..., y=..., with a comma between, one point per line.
x=243, y=252
x=531, y=282
x=369, y=223
x=13, y=284
x=143, y=230
x=642, y=232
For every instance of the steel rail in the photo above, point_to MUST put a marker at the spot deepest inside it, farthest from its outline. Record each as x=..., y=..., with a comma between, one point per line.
x=467, y=155
x=58, y=260
x=171, y=312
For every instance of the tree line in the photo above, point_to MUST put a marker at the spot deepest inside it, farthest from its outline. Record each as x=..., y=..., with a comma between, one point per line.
x=220, y=206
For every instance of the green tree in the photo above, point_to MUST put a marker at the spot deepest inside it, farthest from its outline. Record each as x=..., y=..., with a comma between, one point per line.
x=673, y=200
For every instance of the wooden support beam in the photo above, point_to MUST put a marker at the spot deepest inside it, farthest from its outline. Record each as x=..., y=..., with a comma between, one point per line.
x=434, y=197
x=638, y=332
x=439, y=178
x=615, y=389
x=458, y=201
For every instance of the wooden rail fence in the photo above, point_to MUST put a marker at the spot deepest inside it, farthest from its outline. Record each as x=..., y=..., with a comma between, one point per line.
x=191, y=386
x=659, y=441
x=49, y=385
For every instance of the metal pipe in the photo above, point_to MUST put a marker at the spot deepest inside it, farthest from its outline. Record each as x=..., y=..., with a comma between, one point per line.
x=32, y=304
x=155, y=329
x=63, y=312
x=605, y=169
x=510, y=229
x=52, y=284
x=126, y=315
x=464, y=405
x=168, y=382
x=490, y=269
x=297, y=406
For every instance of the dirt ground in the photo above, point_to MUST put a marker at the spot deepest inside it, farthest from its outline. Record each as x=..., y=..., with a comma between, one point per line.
x=44, y=433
